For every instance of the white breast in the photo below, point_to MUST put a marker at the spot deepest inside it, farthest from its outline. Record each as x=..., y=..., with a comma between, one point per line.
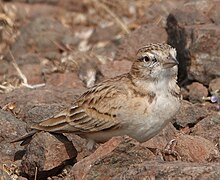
x=159, y=114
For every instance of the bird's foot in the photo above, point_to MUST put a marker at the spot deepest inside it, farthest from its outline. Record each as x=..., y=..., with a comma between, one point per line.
x=91, y=145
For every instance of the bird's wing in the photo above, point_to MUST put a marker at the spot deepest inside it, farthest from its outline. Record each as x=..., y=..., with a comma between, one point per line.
x=96, y=110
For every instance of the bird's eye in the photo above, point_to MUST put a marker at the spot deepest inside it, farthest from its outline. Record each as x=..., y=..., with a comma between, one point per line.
x=144, y=58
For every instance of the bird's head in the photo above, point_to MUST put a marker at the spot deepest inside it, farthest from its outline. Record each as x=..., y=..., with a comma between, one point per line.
x=155, y=61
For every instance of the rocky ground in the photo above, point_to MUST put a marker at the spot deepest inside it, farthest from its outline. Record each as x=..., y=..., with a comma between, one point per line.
x=53, y=50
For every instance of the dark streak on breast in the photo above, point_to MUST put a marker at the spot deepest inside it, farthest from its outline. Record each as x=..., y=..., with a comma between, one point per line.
x=151, y=97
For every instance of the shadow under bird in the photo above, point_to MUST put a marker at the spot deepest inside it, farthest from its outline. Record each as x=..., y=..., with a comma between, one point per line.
x=139, y=103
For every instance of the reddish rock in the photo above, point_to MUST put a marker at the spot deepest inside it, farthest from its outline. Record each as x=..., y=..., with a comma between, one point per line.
x=138, y=38
x=85, y=64
x=115, y=68
x=38, y=36
x=170, y=170
x=65, y=80
x=196, y=92
x=158, y=11
x=49, y=96
x=189, y=115
x=214, y=85
x=160, y=141
x=213, y=12
x=195, y=148
x=48, y=154
x=184, y=93
x=11, y=128
x=111, y=158
x=81, y=168
x=31, y=11
x=80, y=145
x=209, y=128
x=104, y=34
x=29, y=64
x=4, y=68
x=204, y=54
x=195, y=37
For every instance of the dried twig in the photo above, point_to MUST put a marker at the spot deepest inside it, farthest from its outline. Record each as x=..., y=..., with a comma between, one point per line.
x=116, y=18
x=35, y=174
x=22, y=76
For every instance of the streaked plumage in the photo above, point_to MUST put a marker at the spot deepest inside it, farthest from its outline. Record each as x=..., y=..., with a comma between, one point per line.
x=138, y=104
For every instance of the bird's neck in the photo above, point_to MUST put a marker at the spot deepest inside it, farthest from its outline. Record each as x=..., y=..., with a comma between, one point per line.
x=154, y=85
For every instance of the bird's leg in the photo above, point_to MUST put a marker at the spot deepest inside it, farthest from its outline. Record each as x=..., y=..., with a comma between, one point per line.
x=91, y=145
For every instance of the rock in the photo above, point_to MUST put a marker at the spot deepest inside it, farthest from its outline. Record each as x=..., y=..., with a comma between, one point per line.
x=38, y=36
x=110, y=158
x=184, y=93
x=104, y=34
x=31, y=11
x=196, y=92
x=189, y=115
x=4, y=68
x=80, y=145
x=10, y=129
x=195, y=148
x=144, y=35
x=177, y=39
x=187, y=148
x=42, y=1
x=214, y=85
x=208, y=128
x=86, y=64
x=9, y=172
x=125, y=155
x=64, y=80
x=30, y=66
x=213, y=13
x=81, y=168
x=160, y=141
x=158, y=11
x=38, y=112
x=194, y=35
x=115, y=68
x=55, y=98
x=205, y=62
x=173, y=170
x=48, y=154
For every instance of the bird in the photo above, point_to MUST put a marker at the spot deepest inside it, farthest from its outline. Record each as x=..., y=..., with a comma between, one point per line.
x=138, y=104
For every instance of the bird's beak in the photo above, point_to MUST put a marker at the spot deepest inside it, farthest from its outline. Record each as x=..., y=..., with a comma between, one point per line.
x=170, y=62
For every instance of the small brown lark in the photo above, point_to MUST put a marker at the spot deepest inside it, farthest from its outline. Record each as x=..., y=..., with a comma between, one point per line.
x=139, y=103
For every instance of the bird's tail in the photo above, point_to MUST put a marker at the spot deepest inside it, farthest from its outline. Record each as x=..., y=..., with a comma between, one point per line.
x=26, y=137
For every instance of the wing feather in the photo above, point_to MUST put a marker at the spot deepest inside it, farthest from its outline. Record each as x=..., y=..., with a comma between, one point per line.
x=94, y=111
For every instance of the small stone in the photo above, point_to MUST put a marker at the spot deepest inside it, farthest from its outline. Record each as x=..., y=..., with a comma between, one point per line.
x=48, y=154
x=189, y=114
x=110, y=158
x=11, y=128
x=209, y=128
x=161, y=140
x=196, y=92
x=214, y=85
x=195, y=148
